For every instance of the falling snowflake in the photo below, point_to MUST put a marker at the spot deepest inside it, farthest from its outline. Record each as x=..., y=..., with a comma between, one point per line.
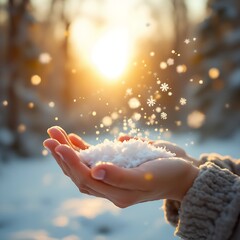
x=187, y=41
x=170, y=61
x=151, y=102
x=134, y=103
x=163, y=65
x=183, y=101
x=163, y=115
x=164, y=87
x=129, y=92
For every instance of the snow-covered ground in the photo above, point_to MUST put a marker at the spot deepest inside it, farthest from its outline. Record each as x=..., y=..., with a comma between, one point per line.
x=38, y=202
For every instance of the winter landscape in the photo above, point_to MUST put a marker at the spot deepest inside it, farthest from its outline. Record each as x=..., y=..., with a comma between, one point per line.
x=161, y=70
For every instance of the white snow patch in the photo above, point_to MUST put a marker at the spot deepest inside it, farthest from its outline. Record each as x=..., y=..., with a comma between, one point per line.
x=127, y=154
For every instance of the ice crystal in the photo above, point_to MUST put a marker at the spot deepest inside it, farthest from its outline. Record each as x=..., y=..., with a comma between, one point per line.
x=129, y=92
x=164, y=87
x=163, y=115
x=151, y=102
x=183, y=101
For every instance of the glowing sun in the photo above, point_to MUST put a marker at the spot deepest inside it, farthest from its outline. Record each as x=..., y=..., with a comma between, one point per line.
x=110, y=54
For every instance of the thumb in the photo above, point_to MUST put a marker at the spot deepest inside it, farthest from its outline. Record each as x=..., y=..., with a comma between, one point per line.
x=127, y=178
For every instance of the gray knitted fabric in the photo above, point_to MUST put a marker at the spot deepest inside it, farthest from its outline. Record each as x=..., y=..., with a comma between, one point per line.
x=211, y=207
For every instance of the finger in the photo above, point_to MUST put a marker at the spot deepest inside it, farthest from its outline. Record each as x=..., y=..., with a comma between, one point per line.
x=81, y=176
x=51, y=144
x=91, y=192
x=70, y=157
x=124, y=138
x=172, y=147
x=125, y=178
x=68, y=139
x=78, y=142
x=60, y=135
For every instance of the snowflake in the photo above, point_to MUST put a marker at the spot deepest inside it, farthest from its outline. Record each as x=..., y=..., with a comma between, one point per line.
x=164, y=87
x=170, y=61
x=151, y=102
x=129, y=92
x=163, y=115
x=183, y=101
x=187, y=41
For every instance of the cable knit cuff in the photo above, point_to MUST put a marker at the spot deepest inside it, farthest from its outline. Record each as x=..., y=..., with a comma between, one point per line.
x=210, y=208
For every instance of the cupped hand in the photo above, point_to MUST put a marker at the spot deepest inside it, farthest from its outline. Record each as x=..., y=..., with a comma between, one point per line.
x=158, y=179
x=165, y=178
x=153, y=180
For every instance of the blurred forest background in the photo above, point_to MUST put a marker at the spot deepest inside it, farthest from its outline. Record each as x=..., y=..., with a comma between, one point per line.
x=92, y=66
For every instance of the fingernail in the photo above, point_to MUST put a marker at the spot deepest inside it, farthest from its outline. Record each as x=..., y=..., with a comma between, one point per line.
x=48, y=130
x=99, y=174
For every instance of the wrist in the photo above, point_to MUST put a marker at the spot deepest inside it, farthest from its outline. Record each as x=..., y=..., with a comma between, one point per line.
x=188, y=181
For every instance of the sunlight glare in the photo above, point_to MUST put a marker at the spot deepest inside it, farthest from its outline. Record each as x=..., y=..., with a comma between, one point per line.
x=110, y=54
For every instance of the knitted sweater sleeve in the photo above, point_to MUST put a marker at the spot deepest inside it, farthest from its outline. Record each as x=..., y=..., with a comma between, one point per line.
x=213, y=199
x=211, y=207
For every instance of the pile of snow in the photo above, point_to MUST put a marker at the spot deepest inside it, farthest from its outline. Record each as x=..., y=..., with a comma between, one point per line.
x=127, y=154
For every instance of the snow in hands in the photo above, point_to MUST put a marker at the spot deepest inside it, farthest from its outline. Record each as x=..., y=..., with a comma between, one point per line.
x=127, y=154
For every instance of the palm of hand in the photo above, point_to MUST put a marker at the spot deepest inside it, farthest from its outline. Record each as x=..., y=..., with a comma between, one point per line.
x=157, y=179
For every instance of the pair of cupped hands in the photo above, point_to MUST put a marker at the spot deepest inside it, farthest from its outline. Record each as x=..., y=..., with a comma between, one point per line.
x=163, y=178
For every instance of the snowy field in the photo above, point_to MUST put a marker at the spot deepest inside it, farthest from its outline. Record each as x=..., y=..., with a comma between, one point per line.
x=38, y=202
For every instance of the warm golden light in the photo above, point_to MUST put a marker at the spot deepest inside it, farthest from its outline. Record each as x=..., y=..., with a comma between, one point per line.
x=110, y=54
x=213, y=73
x=196, y=119
x=36, y=80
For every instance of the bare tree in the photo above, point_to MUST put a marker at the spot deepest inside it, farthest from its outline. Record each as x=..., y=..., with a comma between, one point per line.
x=20, y=56
x=218, y=64
x=181, y=23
